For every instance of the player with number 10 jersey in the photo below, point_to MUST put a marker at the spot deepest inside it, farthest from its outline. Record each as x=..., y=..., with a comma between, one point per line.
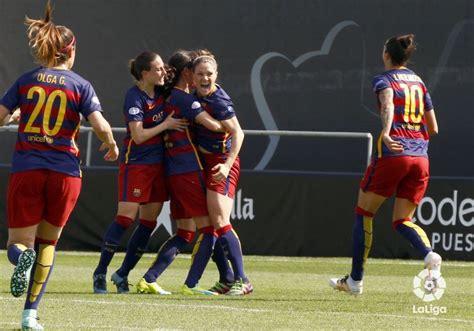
x=401, y=165
x=411, y=100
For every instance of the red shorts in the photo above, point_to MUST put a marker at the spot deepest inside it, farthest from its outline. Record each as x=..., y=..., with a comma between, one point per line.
x=37, y=195
x=228, y=186
x=188, y=195
x=406, y=176
x=142, y=183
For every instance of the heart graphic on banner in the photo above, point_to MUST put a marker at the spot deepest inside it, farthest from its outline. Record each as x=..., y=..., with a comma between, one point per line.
x=258, y=93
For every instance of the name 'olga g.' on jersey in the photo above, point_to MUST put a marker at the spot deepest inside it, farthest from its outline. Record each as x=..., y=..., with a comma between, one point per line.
x=51, y=103
x=411, y=100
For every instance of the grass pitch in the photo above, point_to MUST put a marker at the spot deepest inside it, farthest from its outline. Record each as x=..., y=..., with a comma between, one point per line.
x=290, y=293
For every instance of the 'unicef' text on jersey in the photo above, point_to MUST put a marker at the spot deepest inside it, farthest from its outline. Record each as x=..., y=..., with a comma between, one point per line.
x=52, y=101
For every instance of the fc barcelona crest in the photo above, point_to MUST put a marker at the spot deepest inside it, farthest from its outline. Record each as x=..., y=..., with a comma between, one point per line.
x=137, y=192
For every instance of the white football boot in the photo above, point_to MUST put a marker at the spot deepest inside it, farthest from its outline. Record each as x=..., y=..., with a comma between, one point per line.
x=30, y=319
x=347, y=284
x=433, y=264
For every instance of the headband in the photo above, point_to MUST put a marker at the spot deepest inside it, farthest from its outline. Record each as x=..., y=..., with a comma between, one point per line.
x=204, y=57
x=71, y=43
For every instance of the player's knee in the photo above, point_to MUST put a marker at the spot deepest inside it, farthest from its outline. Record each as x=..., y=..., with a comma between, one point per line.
x=397, y=222
x=187, y=235
x=223, y=230
x=363, y=212
x=124, y=221
x=21, y=239
x=43, y=241
x=148, y=224
x=220, y=221
x=207, y=229
x=202, y=221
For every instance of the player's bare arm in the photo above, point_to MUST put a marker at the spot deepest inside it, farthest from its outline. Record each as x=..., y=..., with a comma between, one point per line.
x=232, y=125
x=431, y=122
x=386, y=114
x=140, y=134
x=104, y=132
x=209, y=122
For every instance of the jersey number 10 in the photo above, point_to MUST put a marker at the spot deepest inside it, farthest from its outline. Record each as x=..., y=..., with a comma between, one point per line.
x=412, y=93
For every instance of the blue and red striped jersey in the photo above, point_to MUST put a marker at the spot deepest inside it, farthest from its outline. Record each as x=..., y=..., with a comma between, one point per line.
x=181, y=154
x=139, y=107
x=220, y=106
x=411, y=100
x=51, y=101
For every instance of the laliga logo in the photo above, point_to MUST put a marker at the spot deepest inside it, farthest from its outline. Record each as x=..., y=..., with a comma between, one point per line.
x=426, y=288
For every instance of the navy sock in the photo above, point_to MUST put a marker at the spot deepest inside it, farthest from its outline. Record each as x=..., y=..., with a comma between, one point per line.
x=40, y=272
x=167, y=253
x=14, y=251
x=111, y=241
x=201, y=254
x=226, y=275
x=231, y=244
x=361, y=242
x=414, y=234
x=136, y=247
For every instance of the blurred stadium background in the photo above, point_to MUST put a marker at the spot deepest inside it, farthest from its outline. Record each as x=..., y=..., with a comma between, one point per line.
x=288, y=65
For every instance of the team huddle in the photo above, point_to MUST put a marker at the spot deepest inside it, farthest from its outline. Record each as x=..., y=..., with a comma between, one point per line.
x=183, y=140
x=182, y=144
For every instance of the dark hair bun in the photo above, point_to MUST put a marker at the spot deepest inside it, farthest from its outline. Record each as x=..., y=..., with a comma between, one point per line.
x=406, y=41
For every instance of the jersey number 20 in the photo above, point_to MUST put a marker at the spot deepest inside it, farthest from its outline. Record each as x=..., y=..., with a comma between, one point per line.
x=49, y=100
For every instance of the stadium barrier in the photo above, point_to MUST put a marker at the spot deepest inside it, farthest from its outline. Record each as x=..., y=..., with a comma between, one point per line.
x=286, y=213
x=307, y=134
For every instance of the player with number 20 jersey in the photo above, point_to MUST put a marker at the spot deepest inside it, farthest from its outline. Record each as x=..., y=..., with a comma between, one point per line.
x=51, y=101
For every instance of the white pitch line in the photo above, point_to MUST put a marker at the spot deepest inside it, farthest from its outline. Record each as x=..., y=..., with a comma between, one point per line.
x=190, y=306
x=164, y=304
x=82, y=326
x=254, y=310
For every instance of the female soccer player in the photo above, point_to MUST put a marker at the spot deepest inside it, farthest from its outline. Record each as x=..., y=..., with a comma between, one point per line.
x=186, y=183
x=220, y=152
x=141, y=178
x=401, y=165
x=46, y=177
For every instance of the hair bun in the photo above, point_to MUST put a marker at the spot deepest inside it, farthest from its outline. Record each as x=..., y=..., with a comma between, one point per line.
x=406, y=41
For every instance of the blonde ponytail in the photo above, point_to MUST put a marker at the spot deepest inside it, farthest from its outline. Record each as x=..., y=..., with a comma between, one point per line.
x=50, y=44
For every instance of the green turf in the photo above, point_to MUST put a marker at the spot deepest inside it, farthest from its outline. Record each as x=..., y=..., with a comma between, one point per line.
x=290, y=293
